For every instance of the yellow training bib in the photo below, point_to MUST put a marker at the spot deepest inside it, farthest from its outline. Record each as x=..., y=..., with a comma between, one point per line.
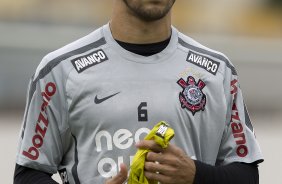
x=161, y=134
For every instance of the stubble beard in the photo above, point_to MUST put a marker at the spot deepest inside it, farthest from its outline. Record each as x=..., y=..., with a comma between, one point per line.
x=148, y=14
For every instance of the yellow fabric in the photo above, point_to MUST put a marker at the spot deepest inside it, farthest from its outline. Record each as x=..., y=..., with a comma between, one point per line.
x=162, y=134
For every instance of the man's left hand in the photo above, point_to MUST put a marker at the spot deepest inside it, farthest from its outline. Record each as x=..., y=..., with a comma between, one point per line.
x=168, y=166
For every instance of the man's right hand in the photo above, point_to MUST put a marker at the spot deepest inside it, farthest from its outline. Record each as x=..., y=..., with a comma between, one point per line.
x=120, y=178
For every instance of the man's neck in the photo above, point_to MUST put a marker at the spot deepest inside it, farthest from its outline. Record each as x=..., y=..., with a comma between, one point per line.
x=128, y=28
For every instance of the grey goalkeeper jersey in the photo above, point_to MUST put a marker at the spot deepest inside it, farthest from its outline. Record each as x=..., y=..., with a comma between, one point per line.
x=89, y=103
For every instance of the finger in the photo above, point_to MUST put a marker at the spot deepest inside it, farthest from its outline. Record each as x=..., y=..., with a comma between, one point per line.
x=120, y=177
x=149, y=144
x=159, y=168
x=158, y=177
x=162, y=158
x=123, y=172
x=173, y=149
x=155, y=157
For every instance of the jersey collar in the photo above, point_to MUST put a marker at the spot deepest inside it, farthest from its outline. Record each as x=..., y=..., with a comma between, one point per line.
x=129, y=56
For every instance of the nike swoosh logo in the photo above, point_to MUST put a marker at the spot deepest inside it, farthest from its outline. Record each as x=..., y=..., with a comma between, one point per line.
x=100, y=100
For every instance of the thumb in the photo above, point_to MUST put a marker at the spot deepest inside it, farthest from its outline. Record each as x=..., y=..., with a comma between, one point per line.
x=121, y=177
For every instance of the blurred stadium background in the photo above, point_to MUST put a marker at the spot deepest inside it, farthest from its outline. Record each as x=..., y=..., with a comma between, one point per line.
x=249, y=32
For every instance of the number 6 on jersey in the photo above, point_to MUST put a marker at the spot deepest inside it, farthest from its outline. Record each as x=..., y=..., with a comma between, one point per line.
x=142, y=112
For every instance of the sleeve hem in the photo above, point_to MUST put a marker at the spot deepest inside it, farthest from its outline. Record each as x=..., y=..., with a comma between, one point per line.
x=257, y=160
x=37, y=166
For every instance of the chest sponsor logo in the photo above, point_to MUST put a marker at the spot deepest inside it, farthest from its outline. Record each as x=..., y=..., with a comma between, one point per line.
x=84, y=62
x=192, y=96
x=112, y=143
x=204, y=62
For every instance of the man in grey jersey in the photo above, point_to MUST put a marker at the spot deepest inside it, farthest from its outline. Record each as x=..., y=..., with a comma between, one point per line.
x=91, y=103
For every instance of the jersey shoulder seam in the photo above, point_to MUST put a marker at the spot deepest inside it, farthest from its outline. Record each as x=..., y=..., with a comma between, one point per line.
x=48, y=64
x=51, y=64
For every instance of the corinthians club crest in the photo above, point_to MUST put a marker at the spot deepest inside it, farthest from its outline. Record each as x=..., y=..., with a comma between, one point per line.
x=192, y=96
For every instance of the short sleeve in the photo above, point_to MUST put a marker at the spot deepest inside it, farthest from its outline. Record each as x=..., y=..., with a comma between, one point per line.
x=239, y=143
x=40, y=145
